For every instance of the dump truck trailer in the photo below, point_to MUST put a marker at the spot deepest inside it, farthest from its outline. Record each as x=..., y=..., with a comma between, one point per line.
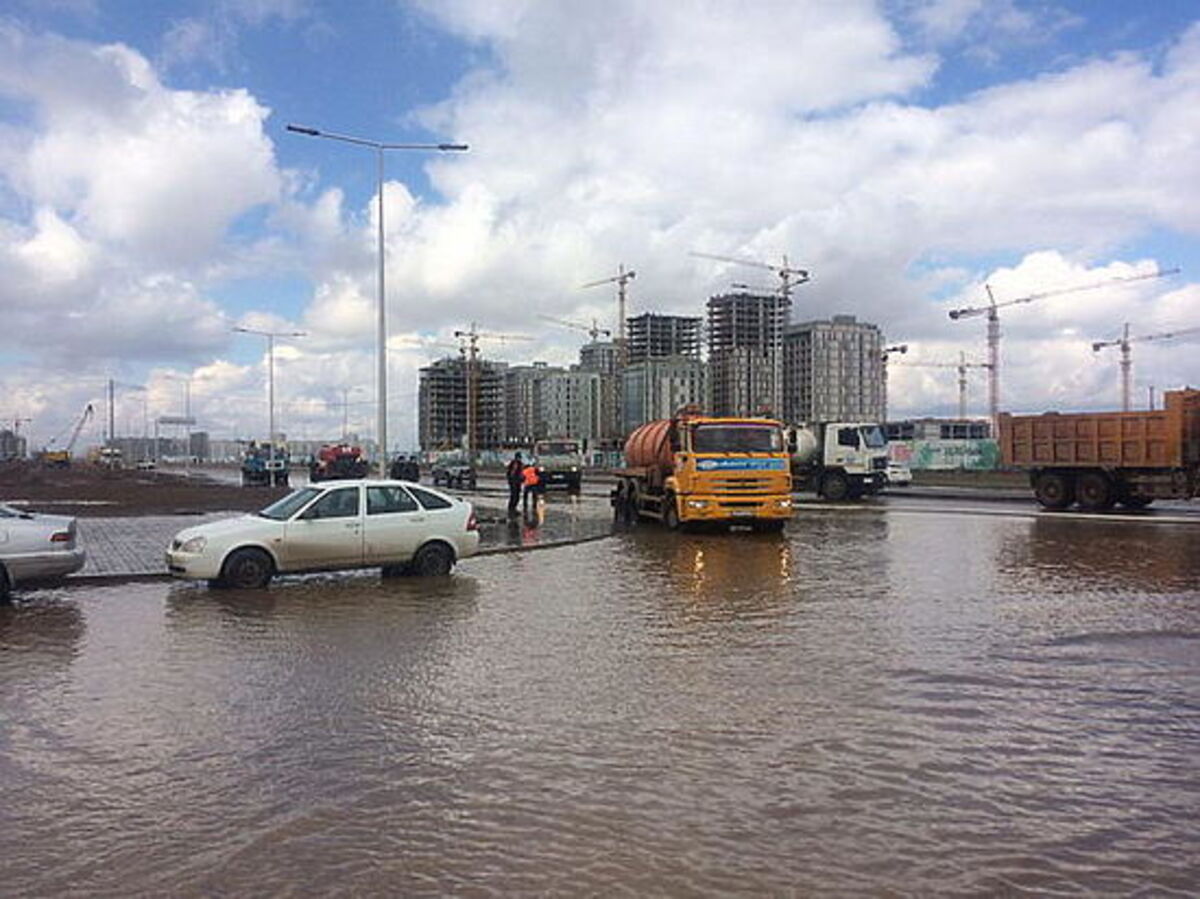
x=1099, y=459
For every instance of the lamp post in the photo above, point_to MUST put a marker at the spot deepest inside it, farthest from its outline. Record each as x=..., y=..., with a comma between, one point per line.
x=381, y=337
x=270, y=335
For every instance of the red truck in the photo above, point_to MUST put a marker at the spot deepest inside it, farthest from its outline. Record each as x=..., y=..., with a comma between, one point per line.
x=1099, y=459
x=338, y=461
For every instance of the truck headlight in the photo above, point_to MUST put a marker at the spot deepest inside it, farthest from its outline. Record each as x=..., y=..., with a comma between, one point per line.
x=783, y=503
x=194, y=545
x=697, y=503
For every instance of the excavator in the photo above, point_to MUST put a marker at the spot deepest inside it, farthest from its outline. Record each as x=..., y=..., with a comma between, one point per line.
x=61, y=458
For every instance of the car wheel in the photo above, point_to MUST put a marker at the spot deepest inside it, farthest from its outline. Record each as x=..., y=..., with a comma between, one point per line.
x=433, y=560
x=247, y=569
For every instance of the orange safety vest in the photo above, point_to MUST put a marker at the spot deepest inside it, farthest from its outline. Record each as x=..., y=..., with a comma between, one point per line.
x=530, y=476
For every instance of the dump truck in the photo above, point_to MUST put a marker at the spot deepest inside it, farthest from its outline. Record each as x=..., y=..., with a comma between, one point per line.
x=694, y=469
x=1099, y=459
x=337, y=461
x=839, y=459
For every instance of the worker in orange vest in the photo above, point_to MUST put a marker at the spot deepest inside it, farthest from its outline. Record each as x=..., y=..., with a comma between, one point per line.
x=531, y=477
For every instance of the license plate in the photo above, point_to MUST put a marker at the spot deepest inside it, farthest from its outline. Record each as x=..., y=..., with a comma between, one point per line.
x=742, y=513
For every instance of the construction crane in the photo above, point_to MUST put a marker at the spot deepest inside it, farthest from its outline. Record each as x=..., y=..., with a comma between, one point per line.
x=993, y=328
x=789, y=278
x=593, y=332
x=961, y=365
x=889, y=350
x=1126, y=357
x=621, y=278
x=470, y=349
x=61, y=458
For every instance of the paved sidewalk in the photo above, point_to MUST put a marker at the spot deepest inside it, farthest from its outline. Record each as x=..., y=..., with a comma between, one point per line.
x=134, y=547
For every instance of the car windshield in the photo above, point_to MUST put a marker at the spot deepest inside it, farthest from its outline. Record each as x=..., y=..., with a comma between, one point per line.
x=556, y=448
x=736, y=439
x=290, y=504
x=873, y=437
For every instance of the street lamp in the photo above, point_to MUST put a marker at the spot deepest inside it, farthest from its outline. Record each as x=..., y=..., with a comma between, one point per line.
x=381, y=337
x=270, y=335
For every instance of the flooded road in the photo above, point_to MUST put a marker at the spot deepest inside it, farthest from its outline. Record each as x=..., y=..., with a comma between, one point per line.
x=876, y=702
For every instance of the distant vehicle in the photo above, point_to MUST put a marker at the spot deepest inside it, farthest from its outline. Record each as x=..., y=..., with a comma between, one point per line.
x=35, y=548
x=262, y=468
x=1099, y=459
x=338, y=461
x=457, y=474
x=560, y=463
x=145, y=465
x=839, y=459
x=405, y=469
x=898, y=474
x=399, y=527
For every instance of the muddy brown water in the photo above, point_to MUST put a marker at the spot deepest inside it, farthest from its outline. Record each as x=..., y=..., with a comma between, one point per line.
x=878, y=703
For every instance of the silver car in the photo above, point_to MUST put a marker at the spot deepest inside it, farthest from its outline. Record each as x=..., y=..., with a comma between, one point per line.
x=400, y=527
x=35, y=548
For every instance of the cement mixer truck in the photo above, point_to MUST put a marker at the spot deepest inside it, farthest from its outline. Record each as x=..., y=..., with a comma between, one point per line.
x=694, y=469
x=839, y=459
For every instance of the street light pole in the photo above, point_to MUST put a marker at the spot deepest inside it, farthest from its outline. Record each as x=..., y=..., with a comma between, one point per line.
x=381, y=325
x=270, y=335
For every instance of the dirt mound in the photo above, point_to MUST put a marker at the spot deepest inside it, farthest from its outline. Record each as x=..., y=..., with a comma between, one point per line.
x=89, y=491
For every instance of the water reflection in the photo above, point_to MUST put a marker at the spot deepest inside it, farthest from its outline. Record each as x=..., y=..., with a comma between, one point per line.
x=1074, y=555
x=44, y=626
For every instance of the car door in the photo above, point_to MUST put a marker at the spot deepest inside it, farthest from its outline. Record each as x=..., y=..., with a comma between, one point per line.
x=394, y=525
x=326, y=534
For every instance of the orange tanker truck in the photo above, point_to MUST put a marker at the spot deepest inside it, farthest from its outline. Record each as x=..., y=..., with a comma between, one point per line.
x=694, y=469
x=1099, y=459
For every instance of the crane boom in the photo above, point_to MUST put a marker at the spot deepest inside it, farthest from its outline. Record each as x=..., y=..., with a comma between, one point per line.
x=789, y=277
x=970, y=311
x=594, y=331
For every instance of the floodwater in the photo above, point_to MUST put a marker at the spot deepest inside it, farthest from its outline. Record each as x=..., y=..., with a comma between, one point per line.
x=876, y=703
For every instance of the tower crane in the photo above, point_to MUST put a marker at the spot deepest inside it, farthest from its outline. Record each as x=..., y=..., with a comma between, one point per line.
x=962, y=365
x=621, y=278
x=1126, y=357
x=789, y=278
x=993, y=328
x=593, y=332
x=470, y=348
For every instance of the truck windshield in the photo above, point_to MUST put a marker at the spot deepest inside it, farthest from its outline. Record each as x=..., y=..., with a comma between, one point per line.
x=556, y=448
x=873, y=437
x=288, y=506
x=736, y=439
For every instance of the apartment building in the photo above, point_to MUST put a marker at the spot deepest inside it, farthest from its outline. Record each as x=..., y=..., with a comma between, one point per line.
x=745, y=353
x=833, y=370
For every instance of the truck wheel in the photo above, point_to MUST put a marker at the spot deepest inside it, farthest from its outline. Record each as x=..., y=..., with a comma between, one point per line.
x=247, y=569
x=1054, y=491
x=432, y=560
x=5, y=587
x=835, y=486
x=1095, y=491
x=670, y=515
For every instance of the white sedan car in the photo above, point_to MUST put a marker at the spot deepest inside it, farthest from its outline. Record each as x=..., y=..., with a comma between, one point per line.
x=35, y=548
x=400, y=527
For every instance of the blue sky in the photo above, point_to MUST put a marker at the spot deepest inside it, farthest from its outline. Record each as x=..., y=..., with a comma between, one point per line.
x=907, y=151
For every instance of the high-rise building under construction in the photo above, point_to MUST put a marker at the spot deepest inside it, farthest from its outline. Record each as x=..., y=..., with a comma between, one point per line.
x=745, y=352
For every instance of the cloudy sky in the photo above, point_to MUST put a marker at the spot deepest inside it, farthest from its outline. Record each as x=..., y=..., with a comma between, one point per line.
x=907, y=152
